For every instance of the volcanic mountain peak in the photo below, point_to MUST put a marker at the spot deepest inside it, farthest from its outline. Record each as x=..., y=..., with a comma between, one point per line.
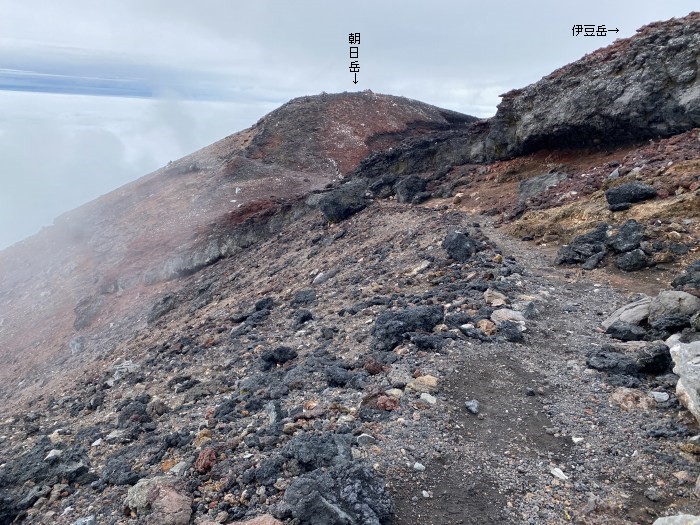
x=277, y=324
x=108, y=255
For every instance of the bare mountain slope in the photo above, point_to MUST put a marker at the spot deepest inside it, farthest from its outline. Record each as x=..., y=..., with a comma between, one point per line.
x=75, y=287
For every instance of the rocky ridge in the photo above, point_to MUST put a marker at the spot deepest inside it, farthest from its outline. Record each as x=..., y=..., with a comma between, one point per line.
x=376, y=352
x=118, y=252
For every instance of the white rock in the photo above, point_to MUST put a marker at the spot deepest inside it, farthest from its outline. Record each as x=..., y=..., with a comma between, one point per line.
x=557, y=473
x=673, y=302
x=431, y=400
x=680, y=519
x=495, y=298
x=114, y=436
x=675, y=338
x=633, y=313
x=686, y=357
x=506, y=314
x=179, y=469
x=661, y=397
x=418, y=467
x=422, y=266
x=53, y=454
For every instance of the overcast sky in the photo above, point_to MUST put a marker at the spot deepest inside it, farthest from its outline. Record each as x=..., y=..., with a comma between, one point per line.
x=96, y=94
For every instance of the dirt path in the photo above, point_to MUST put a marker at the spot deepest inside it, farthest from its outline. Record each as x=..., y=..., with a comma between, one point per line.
x=541, y=409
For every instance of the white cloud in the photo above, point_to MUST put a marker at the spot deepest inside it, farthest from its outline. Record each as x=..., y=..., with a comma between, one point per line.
x=59, y=151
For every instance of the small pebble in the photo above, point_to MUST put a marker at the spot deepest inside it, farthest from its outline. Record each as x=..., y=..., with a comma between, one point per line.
x=472, y=406
x=559, y=474
x=661, y=397
x=431, y=400
x=419, y=467
x=365, y=439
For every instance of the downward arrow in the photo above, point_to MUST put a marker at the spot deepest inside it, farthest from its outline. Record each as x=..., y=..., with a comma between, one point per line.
x=355, y=81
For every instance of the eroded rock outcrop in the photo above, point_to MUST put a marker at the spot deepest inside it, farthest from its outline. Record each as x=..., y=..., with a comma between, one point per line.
x=642, y=87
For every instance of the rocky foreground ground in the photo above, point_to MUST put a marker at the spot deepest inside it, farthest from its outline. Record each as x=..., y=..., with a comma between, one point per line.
x=375, y=371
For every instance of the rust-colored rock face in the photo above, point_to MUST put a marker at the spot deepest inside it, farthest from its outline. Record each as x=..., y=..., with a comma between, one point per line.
x=100, y=266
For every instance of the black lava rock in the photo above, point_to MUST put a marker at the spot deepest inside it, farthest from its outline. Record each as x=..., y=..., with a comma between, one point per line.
x=345, y=494
x=426, y=341
x=511, y=332
x=302, y=316
x=133, y=412
x=119, y=472
x=266, y=303
x=383, y=186
x=612, y=362
x=585, y=248
x=318, y=451
x=632, y=261
x=628, y=238
x=277, y=356
x=341, y=203
x=655, y=359
x=391, y=328
x=269, y=470
x=407, y=189
x=671, y=323
x=630, y=193
x=626, y=331
x=688, y=280
x=459, y=246
x=304, y=297
x=593, y=261
x=338, y=376
x=257, y=317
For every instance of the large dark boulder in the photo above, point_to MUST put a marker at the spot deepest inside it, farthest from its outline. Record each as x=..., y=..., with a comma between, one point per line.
x=628, y=237
x=346, y=494
x=407, y=188
x=318, y=451
x=633, y=261
x=343, y=202
x=459, y=246
x=689, y=280
x=585, y=248
x=630, y=193
x=393, y=327
x=607, y=360
x=277, y=356
x=655, y=359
